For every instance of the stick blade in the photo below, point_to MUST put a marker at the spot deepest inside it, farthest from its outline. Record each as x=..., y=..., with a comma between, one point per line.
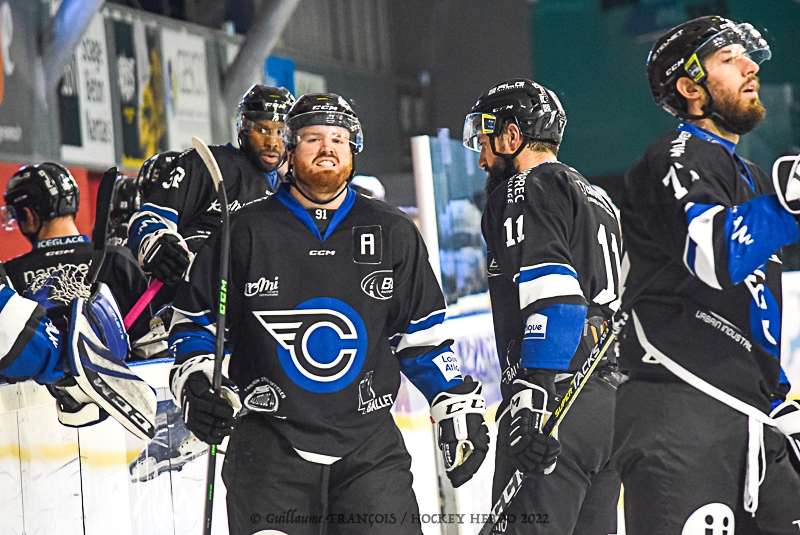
x=205, y=153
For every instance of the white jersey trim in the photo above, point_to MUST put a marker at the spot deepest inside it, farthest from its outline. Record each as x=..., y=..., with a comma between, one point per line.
x=13, y=317
x=317, y=458
x=701, y=232
x=547, y=286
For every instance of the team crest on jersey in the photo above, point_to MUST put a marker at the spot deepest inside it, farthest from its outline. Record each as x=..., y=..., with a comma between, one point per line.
x=367, y=400
x=321, y=344
x=379, y=284
x=262, y=395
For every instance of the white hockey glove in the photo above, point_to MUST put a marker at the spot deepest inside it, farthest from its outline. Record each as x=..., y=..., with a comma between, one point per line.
x=165, y=255
x=211, y=417
x=531, y=406
x=787, y=416
x=462, y=433
x=786, y=179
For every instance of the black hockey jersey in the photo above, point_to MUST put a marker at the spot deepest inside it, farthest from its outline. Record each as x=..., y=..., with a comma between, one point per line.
x=186, y=199
x=553, y=250
x=703, y=229
x=320, y=324
x=119, y=271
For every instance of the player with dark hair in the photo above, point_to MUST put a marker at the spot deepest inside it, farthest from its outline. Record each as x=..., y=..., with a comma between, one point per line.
x=319, y=335
x=180, y=207
x=42, y=201
x=553, y=250
x=696, y=436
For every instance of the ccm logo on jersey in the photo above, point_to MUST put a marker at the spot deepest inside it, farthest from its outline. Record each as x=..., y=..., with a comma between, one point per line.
x=378, y=284
x=536, y=327
x=321, y=252
x=321, y=344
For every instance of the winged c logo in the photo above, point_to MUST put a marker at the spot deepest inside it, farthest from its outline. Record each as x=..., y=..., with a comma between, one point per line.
x=321, y=344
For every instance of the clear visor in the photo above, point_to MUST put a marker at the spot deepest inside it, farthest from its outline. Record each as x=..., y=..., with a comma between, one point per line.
x=325, y=118
x=741, y=41
x=264, y=127
x=8, y=218
x=474, y=125
x=249, y=120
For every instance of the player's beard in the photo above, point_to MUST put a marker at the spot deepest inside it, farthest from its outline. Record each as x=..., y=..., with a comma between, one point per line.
x=499, y=172
x=321, y=183
x=254, y=155
x=741, y=115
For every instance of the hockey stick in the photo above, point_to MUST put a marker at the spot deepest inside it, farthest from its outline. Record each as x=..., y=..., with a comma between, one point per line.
x=100, y=233
x=144, y=300
x=575, y=387
x=219, y=349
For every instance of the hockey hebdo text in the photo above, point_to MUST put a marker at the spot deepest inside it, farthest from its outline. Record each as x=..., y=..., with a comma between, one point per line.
x=292, y=516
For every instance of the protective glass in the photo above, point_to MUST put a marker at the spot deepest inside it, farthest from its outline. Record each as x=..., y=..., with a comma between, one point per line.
x=325, y=118
x=474, y=125
x=8, y=218
x=250, y=125
x=751, y=45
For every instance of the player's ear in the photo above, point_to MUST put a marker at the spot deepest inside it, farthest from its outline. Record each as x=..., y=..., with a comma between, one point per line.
x=514, y=136
x=689, y=90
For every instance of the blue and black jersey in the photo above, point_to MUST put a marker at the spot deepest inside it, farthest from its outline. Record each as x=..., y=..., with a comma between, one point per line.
x=703, y=231
x=322, y=318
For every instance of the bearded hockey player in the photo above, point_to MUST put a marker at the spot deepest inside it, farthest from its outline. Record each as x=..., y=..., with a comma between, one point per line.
x=696, y=447
x=179, y=212
x=553, y=250
x=330, y=296
x=78, y=354
x=43, y=199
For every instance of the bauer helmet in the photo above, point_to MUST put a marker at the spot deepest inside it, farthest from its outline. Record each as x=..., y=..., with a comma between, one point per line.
x=322, y=109
x=532, y=107
x=47, y=189
x=263, y=103
x=683, y=50
x=150, y=173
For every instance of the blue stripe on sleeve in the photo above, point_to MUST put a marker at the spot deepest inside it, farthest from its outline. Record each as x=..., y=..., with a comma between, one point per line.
x=41, y=358
x=551, y=336
x=754, y=231
x=190, y=343
x=526, y=275
x=432, y=373
x=427, y=323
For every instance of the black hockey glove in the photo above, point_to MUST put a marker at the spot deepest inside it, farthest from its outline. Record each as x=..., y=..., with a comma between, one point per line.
x=533, y=401
x=462, y=433
x=209, y=416
x=166, y=258
x=786, y=179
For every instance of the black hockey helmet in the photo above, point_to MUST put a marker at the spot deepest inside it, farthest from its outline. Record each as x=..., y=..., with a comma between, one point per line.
x=150, y=172
x=682, y=51
x=322, y=109
x=535, y=109
x=48, y=189
x=263, y=103
x=125, y=200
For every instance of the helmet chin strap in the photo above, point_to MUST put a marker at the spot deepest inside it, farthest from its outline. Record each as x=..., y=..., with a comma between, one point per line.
x=509, y=158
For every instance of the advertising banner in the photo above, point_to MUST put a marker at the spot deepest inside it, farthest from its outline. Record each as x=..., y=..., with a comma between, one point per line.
x=141, y=87
x=186, y=88
x=84, y=101
x=18, y=31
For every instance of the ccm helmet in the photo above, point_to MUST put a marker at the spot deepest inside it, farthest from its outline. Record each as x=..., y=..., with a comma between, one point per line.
x=263, y=103
x=683, y=50
x=150, y=173
x=322, y=109
x=532, y=107
x=47, y=189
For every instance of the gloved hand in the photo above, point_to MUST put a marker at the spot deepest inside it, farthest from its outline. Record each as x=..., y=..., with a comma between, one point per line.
x=165, y=256
x=787, y=416
x=786, y=179
x=533, y=401
x=462, y=433
x=209, y=416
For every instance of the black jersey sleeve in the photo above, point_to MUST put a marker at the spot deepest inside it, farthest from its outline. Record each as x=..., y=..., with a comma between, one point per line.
x=127, y=282
x=415, y=322
x=686, y=188
x=185, y=190
x=529, y=232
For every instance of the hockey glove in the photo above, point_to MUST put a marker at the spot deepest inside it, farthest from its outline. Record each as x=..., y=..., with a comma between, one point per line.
x=787, y=416
x=462, y=433
x=165, y=256
x=786, y=179
x=532, y=403
x=209, y=416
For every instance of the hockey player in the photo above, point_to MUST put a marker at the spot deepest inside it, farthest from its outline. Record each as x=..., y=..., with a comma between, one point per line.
x=124, y=202
x=44, y=199
x=553, y=259
x=330, y=296
x=81, y=360
x=181, y=210
x=703, y=232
